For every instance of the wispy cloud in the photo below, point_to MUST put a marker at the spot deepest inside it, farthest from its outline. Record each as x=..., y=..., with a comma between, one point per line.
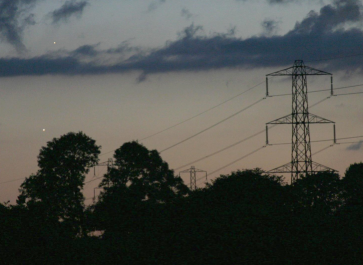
x=355, y=147
x=274, y=1
x=14, y=17
x=186, y=13
x=317, y=36
x=67, y=10
x=270, y=26
x=281, y=1
x=155, y=4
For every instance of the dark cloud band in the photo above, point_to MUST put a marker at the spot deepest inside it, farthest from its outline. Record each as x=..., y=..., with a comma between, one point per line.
x=318, y=36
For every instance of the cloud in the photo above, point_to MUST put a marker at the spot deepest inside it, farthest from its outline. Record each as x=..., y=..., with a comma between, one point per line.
x=86, y=50
x=330, y=17
x=281, y=1
x=355, y=147
x=67, y=10
x=269, y=26
x=274, y=1
x=186, y=13
x=14, y=17
x=154, y=5
x=319, y=35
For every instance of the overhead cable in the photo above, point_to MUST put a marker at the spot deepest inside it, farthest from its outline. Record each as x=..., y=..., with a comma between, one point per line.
x=201, y=113
x=8, y=181
x=348, y=94
x=234, y=144
x=197, y=115
x=214, y=125
x=321, y=150
x=325, y=140
x=237, y=160
x=223, y=149
x=322, y=90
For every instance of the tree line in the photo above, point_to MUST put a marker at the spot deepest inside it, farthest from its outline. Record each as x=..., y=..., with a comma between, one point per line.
x=145, y=214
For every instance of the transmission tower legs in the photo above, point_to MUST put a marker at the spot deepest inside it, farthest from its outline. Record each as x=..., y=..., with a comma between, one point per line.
x=193, y=176
x=300, y=120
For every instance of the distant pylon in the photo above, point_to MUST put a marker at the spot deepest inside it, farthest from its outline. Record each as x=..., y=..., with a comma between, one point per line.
x=109, y=164
x=300, y=119
x=193, y=176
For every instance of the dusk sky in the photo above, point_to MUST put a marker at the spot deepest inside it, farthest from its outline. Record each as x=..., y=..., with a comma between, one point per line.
x=122, y=70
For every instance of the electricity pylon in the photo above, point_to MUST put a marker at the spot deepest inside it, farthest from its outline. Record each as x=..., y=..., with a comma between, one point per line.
x=109, y=165
x=193, y=176
x=300, y=119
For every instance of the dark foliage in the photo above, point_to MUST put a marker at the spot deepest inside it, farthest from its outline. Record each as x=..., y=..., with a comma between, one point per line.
x=57, y=186
x=150, y=217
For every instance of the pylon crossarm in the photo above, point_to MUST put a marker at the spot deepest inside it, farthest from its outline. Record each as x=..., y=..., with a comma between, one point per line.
x=281, y=169
x=316, y=119
x=192, y=169
x=283, y=120
x=185, y=171
x=313, y=71
x=316, y=167
x=289, y=120
x=307, y=70
x=287, y=71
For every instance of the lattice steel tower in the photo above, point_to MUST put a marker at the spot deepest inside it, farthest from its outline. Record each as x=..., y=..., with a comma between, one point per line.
x=193, y=176
x=300, y=119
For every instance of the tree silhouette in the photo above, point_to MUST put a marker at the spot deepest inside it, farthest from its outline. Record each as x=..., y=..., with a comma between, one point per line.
x=320, y=192
x=140, y=177
x=238, y=219
x=353, y=184
x=144, y=173
x=57, y=185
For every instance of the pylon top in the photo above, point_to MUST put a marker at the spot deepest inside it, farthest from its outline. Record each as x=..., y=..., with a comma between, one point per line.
x=192, y=169
x=299, y=63
x=303, y=70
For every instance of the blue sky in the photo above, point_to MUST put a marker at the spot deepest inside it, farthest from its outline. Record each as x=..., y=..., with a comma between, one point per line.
x=124, y=70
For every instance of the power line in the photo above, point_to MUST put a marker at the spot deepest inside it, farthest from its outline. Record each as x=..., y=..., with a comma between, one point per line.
x=205, y=111
x=287, y=94
x=348, y=94
x=351, y=142
x=321, y=150
x=317, y=103
x=214, y=125
x=237, y=160
x=234, y=144
x=245, y=156
x=223, y=149
x=25, y=178
x=344, y=87
x=93, y=180
x=325, y=148
x=8, y=181
x=322, y=90
x=219, y=151
x=197, y=115
x=245, y=139
x=325, y=140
